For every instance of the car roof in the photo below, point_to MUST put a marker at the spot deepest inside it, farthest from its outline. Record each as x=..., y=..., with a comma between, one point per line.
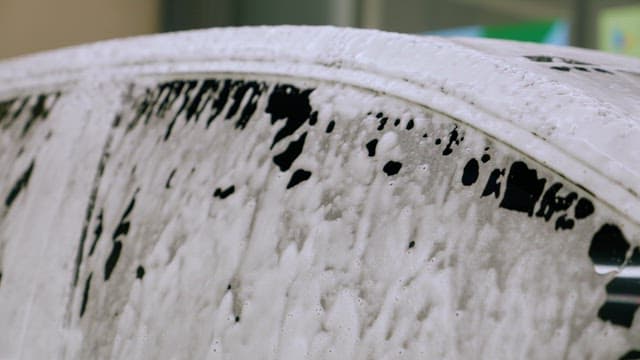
x=575, y=111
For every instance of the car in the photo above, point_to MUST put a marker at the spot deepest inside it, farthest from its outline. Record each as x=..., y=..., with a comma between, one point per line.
x=319, y=192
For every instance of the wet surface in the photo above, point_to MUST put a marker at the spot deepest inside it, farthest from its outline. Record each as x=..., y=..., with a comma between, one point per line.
x=259, y=140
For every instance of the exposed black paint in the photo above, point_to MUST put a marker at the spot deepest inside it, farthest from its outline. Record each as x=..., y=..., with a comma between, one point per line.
x=379, y=115
x=5, y=108
x=131, y=205
x=97, y=232
x=290, y=154
x=201, y=99
x=144, y=106
x=112, y=260
x=493, y=183
x=140, y=272
x=412, y=244
x=91, y=203
x=123, y=226
x=122, y=229
x=608, y=246
x=561, y=68
x=438, y=141
x=631, y=355
x=167, y=185
x=196, y=96
x=396, y=122
x=12, y=114
x=622, y=295
x=523, y=188
x=298, y=176
x=564, y=223
x=603, y=71
x=485, y=158
x=618, y=313
x=330, y=126
x=237, y=319
x=220, y=100
x=23, y=105
x=540, y=58
x=425, y=135
x=583, y=209
x=453, y=139
x=142, y=109
x=241, y=93
x=85, y=294
x=290, y=103
x=40, y=110
x=580, y=68
x=313, y=118
x=254, y=90
x=186, y=97
x=470, y=172
x=223, y=194
x=167, y=95
x=19, y=185
x=410, y=124
x=392, y=167
x=382, y=123
x=555, y=59
x=552, y=203
x=371, y=147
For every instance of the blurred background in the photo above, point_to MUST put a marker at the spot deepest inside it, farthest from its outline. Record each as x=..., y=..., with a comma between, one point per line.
x=610, y=25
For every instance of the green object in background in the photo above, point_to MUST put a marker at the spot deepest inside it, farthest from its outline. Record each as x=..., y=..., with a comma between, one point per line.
x=536, y=31
x=619, y=30
x=544, y=31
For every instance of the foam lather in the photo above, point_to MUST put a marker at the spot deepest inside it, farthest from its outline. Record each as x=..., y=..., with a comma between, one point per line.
x=319, y=193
